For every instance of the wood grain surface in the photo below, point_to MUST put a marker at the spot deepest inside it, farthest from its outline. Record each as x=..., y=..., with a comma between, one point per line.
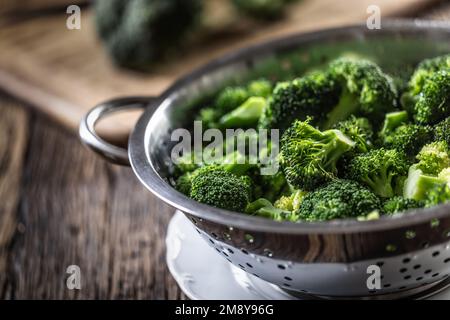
x=62, y=205
x=65, y=72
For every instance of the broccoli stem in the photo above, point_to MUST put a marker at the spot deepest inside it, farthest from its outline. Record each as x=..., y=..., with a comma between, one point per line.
x=341, y=144
x=418, y=184
x=348, y=105
x=394, y=120
x=246, y=115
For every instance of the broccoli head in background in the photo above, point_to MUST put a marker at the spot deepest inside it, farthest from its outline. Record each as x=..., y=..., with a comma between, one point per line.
x=433, y=104
x=238, y=105
x=221, y=189
x=433, y=158
x=399, y=204
x=310, y=96
x=309, y=156
x=338, y=199
x=380, y=170
x=364, y=91
x=138, y=32
x=407, y=138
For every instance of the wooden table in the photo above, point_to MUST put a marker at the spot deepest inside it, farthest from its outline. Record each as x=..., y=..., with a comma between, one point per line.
x=61, y=205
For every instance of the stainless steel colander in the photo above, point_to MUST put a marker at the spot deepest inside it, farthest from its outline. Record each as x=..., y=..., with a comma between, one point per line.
x=327, y=259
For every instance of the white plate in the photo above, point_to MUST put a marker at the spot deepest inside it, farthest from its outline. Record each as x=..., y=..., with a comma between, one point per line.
x=202, y=274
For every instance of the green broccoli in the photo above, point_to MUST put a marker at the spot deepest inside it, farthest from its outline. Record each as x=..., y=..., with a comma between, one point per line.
x=418, y=184
x=220, y=188
x=259, y=88
x=442, y=131
x=264, y=208
x=439, y=194
x=185, y=163
x=272, y=185
x=365, y=91
x=309, y=156
x=399, y=204
x=291, y=202
x=379, y=169
x=139, y=32
x=433, y=158
x=184, y=182
x=307, y=97
x=423, y=72
x=407, y=138
x=393, y=120
x=338, y=199
x=358, y=130
x=239, y=106
x=244, y=116
x=433, y=104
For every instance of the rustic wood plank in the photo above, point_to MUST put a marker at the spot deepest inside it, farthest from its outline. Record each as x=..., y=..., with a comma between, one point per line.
x=77, y=209
x=65, y=72
x=13, y=142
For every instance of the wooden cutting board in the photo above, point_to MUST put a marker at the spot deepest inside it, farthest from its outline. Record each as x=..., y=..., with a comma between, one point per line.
x=65, y=72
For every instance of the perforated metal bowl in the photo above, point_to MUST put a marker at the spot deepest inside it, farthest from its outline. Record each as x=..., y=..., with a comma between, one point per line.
x=327, y=259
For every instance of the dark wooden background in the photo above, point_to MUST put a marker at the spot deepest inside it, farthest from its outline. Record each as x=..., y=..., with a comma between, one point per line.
x=62, y=205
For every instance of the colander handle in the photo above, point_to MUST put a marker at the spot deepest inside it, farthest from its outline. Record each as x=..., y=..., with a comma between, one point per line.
x=91, y=139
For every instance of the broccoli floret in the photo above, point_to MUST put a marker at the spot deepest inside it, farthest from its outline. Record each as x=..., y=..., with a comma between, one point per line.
x=237, y=106
x=418, y=184
x=310, y=96
x=230, y=98
x=422, y=73
x=379, y=169
x=442, y=131
x=407, y=138
x=291, y=202
x=272, y=185
x=400, y=204
x=433, y=104
x=185, y=163
x=209, y=117
x=309, y=156
x=244, y=116
x=139, y=32
x=433, y=158
x=260, y=88
x=183, y=183
x=359, y=130
x=220, y=188
x=236, y=163
x=365, y=91
x=392, y=121
x=338, y=199
x=261, y=9
x=437, y=195
x=264, y=208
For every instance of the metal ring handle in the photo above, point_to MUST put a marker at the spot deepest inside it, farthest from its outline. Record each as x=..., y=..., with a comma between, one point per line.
x=89, y=136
